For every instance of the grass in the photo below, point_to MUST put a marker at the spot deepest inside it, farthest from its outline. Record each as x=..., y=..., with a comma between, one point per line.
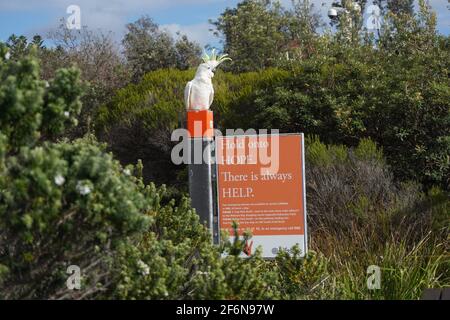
x=359, y=216
x=405, y=271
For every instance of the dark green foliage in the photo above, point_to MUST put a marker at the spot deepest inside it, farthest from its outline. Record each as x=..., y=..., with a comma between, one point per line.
x=29, y=107
x=19, y=46
x=260, y=33
x=139, y=121
x=167, y=266
x=253, y=34
x=359, y=216
x=342, y=95
x=400, y=7
x=148, y=48
x=48, y=224
x=397, y=94
x=71, y=203
x=60, y=203
x=302, y=277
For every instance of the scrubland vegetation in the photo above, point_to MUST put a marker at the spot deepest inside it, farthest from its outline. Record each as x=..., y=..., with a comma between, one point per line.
x=86, y=177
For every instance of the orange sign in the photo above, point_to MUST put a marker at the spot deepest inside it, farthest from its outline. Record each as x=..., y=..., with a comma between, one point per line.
x=260, y=185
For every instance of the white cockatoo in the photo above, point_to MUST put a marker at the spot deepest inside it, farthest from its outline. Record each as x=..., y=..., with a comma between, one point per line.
x=199, y=93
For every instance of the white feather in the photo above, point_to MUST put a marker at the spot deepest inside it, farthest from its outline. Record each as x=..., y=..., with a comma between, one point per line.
x=199, y=93
x=187, y=95
x=211, y=96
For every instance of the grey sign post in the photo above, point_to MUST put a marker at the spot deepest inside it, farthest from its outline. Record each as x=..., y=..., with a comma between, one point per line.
x=201, y=178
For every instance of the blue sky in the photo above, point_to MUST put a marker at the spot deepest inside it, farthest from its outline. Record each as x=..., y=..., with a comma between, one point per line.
x=191, y=17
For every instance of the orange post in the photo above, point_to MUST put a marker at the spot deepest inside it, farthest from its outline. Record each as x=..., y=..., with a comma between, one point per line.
x=200, y=124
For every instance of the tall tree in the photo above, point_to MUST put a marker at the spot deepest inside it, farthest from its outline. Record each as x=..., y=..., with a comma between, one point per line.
x=308, y=19
x=349, y=20
x=188, y=52
x=20, y=46
x=397, y=7
x=149, y=48
x=252, y=33
x=401, y=6
x=305, y=21
x=98, y=57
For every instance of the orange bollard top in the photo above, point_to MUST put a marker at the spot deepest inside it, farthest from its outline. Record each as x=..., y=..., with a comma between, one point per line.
x=200, y=124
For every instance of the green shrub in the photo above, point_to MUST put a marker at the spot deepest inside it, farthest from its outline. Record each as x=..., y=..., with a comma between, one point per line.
x=64, y=203
x=71, y=203
x=139, y=121
x=348, y=186
x=303, y=277
x=29, y=110
x=342, y=93
x=359, y=216
x=396, y=93
x=348, y=95
x=167, y=266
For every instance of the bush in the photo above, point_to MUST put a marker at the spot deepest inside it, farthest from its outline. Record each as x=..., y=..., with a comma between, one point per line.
x=192, y=268
x=303, y=277
x=397, y=93
x=30, y=111
x=139, y=121
x=60, y=203
x=352, y=186
x=64, y=203
x=345, y=95
x=70, y=203
x=341, y=94
x=359, y=216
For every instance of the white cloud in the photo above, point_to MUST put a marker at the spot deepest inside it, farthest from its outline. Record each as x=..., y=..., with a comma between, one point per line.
x=110, y=15
x=197, y=32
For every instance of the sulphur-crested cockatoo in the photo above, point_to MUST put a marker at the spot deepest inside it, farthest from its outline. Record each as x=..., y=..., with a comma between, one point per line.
x=199, y=93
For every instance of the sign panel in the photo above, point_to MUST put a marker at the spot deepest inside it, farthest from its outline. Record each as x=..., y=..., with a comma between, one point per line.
x=261, y=185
